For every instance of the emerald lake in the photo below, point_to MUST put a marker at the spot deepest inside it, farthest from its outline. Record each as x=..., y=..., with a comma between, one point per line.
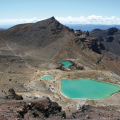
x=87, y=89
x=46, y=77
x=66, y=64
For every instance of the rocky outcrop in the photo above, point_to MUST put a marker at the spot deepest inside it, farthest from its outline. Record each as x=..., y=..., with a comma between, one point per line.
x=111, y=31
x=91, y=43
x=37, y=109
x=74, y=66
x=95, y=45
x=45, y=109
x=98, y=113
x=13, y=95
x=109, y=38
x=78, y=32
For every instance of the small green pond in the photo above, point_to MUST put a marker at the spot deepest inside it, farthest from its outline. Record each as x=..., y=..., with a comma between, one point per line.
x=66, y=64
x=87, y=89
x=46, y=77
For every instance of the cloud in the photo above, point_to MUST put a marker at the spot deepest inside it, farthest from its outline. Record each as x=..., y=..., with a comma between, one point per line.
x=17, y=21
x=93, y=19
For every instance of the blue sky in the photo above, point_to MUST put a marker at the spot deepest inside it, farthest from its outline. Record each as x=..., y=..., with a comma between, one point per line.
x=66, y=11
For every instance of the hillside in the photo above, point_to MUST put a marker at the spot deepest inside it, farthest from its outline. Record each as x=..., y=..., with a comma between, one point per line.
x=38, y=34
x=50, y=40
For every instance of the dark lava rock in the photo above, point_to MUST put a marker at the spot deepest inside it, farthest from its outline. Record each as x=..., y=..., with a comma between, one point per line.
x=45, y=109
x=9, y=79
x=41, y=109
x=111, y=31
x=87, y=33
x=91, y=43
x=13, y=95
x=109, y=38
x=38, y=109
x=78, y=32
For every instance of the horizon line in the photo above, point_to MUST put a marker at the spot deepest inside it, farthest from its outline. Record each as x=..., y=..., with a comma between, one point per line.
x=93, y=19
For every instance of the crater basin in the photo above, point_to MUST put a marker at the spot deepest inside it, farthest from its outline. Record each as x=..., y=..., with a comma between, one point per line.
x=46, y=77
x=66, y=64
x=87, y=89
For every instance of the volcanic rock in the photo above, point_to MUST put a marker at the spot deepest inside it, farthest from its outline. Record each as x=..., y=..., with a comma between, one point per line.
x=13, y=95
x=109, y=38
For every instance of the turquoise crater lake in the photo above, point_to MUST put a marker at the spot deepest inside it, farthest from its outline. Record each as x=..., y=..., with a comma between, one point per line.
x=87, y=89
x=46, y=77
x=66, y=64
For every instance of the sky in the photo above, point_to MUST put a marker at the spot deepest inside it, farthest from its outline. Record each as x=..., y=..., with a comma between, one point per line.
x=66, y=11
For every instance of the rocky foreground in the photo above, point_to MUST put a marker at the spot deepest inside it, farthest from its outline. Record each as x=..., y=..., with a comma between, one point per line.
x=45, y=109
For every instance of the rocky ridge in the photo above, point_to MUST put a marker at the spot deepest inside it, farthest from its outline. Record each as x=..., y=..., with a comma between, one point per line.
x=109, y=38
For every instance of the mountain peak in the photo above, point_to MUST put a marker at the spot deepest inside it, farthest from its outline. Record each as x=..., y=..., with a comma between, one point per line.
x=52, y=18
x=47, y=21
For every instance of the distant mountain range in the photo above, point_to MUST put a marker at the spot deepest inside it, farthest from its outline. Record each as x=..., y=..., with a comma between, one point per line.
x=83, y=27
x=90, y=27
x=6, y=26
x=2, y=29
